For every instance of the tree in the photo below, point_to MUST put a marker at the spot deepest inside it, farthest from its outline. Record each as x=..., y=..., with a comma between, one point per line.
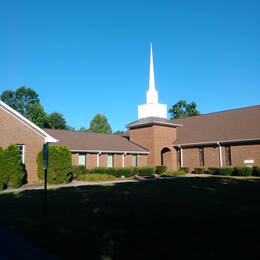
x=57, y=121
x=21, y=99
x=118, y=132
x=99, y=124
x=183, y=109
x=37, y=115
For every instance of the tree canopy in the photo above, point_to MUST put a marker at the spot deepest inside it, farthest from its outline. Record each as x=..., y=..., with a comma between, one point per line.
x=26, y=101
x=183, y=109
x=99, y=124
x=21, y=99
x=57, y=121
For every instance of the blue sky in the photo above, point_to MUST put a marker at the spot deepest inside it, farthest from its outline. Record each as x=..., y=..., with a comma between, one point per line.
x=89, y=57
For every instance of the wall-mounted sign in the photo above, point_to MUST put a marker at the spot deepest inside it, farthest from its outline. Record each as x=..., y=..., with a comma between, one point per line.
x=248, y=161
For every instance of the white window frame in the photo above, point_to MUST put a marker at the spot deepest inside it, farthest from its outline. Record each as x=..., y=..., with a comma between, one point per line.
x=112, y=155
x=19, y=146
x=85, y=158
x=136, y=159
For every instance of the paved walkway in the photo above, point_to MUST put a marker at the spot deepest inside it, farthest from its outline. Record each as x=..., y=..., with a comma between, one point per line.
x=75, y=183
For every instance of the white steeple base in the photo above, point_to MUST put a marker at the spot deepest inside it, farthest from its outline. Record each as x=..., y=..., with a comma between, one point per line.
x=152, y=110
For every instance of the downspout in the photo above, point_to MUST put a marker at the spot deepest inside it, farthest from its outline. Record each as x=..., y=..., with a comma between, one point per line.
x=98, y=154
x=181, y=155
x=220, y=155
x=123, y=159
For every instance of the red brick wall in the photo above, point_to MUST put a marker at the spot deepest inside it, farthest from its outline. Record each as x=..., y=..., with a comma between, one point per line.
x=13, y=131
x=117, y=160
x=142, y=160
x=155, y=138
x=239, y=153
x=91, y=160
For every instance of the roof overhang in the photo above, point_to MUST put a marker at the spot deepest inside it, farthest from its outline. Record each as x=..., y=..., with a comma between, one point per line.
x=109, y=151
x=153, y=122
x=217, y=142
x=25, y=121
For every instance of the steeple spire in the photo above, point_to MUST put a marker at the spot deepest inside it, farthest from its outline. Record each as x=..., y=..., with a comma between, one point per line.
x=151, y=78
x=151, y=94
x=152, y=108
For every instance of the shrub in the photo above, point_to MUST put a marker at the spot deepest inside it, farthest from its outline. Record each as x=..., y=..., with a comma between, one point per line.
x=127, y=172
x=161, y=169
x=11, y=168
x=78, y=170
x=256, y=171
x=117, y=172
x=199, y=170
x=103, y=170
x=135, y=171
x=59, y=168
x=213, y=170
x=185, y=169
x=225, y=171
x=175, y=173
x=146, y=171
x=95, y=177
x=242, y=171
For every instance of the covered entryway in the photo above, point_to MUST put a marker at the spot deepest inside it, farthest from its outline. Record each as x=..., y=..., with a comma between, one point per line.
x=166, y=157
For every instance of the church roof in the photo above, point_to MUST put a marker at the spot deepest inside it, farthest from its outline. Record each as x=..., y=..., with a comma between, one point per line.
x=242, y=124
x=94, y=142
x=152, y=121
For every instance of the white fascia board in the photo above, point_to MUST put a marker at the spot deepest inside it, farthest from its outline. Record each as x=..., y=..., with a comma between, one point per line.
x=110, y=151
x=218, y=142
x=25, y=121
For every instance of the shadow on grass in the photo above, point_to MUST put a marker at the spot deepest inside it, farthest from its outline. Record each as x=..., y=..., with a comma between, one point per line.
x=182, y=218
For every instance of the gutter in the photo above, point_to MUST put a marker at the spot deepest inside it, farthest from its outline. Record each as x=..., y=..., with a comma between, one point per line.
x=218, y=142
x=110, y=151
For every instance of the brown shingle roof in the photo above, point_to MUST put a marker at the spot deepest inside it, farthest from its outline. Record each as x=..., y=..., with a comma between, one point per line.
x=236, y=124
x=87, y=141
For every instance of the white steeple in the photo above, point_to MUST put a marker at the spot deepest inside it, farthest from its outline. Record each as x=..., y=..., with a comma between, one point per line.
x=152, y=93
x=152, y=108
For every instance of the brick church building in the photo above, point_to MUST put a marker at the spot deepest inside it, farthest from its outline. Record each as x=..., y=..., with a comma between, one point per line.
x=220, y=139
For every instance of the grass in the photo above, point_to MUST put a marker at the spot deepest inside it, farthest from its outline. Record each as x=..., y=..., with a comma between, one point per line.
x=182, y=218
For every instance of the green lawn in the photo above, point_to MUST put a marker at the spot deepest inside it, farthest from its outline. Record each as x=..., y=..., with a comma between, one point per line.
x=182, y=218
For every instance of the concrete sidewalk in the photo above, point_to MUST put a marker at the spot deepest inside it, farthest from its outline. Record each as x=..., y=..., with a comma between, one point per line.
x=75, y=183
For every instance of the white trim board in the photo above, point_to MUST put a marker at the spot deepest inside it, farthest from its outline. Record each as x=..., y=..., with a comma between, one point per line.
x=28, y=123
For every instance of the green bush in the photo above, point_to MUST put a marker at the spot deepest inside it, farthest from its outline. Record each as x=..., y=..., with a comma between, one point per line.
x=242, y=171
x=11, y=168
x=175, y=173
x=225, y=171
x=185, y=169
x=117, y=172
x=127, y=172
x=146, y=171
x=78, y=170
x=161, y=169
x=135, y=171
x=199, y=170
x=95, y=177
x=256, y=171
x=59, y=168
x=213, y=170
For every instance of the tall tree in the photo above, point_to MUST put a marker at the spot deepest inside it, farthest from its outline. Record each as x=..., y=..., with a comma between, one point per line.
x=37, y=115
x=20, y=99
x=57, y=121
x=183, y=109
x=99, y=124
